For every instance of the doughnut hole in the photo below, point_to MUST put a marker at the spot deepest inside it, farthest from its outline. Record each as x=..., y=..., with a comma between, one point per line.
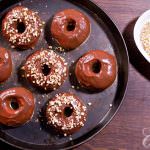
x=68, y=111
x=96, y=66
x=21, y=27
x=46, y=70
x=71, y=24
x=14, y=104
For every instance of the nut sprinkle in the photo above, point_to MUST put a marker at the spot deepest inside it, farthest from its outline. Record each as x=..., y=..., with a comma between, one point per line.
x=46, y=69
x=66, y=113
x=145, y=37
x=22, y=27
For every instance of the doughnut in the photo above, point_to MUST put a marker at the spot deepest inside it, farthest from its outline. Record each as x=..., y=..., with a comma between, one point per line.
x=66, y=113
x=96, y=70
x=70, y=28
x=16, y=106
x=5, y=64
x=22, y=27
x=45, y=69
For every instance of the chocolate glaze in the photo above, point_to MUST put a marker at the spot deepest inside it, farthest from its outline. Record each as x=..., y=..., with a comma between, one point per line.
x=101, y=78
x=70, y=28
x=29, y=24
x=66, y=122
x=22, y=114
x=5, y=64
x=57, y=66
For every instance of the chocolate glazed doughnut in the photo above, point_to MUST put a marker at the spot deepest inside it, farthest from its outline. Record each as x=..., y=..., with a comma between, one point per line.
x=66, y=113
x=5, y=64
x=16, y=106
x=22, y=27
x=70, y=28
x=45, y=69
x=96, y=70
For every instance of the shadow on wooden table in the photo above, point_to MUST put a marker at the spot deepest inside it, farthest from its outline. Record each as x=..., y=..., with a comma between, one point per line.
x=136, y=58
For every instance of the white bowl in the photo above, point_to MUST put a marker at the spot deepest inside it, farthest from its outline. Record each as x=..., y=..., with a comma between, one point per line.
x=145, y=17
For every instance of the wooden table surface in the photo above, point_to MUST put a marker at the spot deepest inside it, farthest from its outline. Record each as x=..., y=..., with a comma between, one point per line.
x=130, y=129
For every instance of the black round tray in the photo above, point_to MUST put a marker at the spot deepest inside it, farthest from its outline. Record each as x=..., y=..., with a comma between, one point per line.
x=105, y=36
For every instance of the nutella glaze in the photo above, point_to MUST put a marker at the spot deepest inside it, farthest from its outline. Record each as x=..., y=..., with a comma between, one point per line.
x=22, y=27
x=66, y=113
x=16, y=106
x=46, y=70
x=5, y=64
x=70, y=28
x=96, y=70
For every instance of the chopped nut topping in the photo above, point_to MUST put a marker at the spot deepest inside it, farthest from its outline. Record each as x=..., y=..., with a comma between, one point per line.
x=56, y=63
x=145, y=37
x=31, y=21
x=58, y=105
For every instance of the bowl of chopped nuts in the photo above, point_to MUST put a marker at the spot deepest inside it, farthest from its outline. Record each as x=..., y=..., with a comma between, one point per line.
x=142, y=34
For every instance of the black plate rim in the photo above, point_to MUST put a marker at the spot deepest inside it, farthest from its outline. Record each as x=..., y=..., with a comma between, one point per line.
x=115, y=109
